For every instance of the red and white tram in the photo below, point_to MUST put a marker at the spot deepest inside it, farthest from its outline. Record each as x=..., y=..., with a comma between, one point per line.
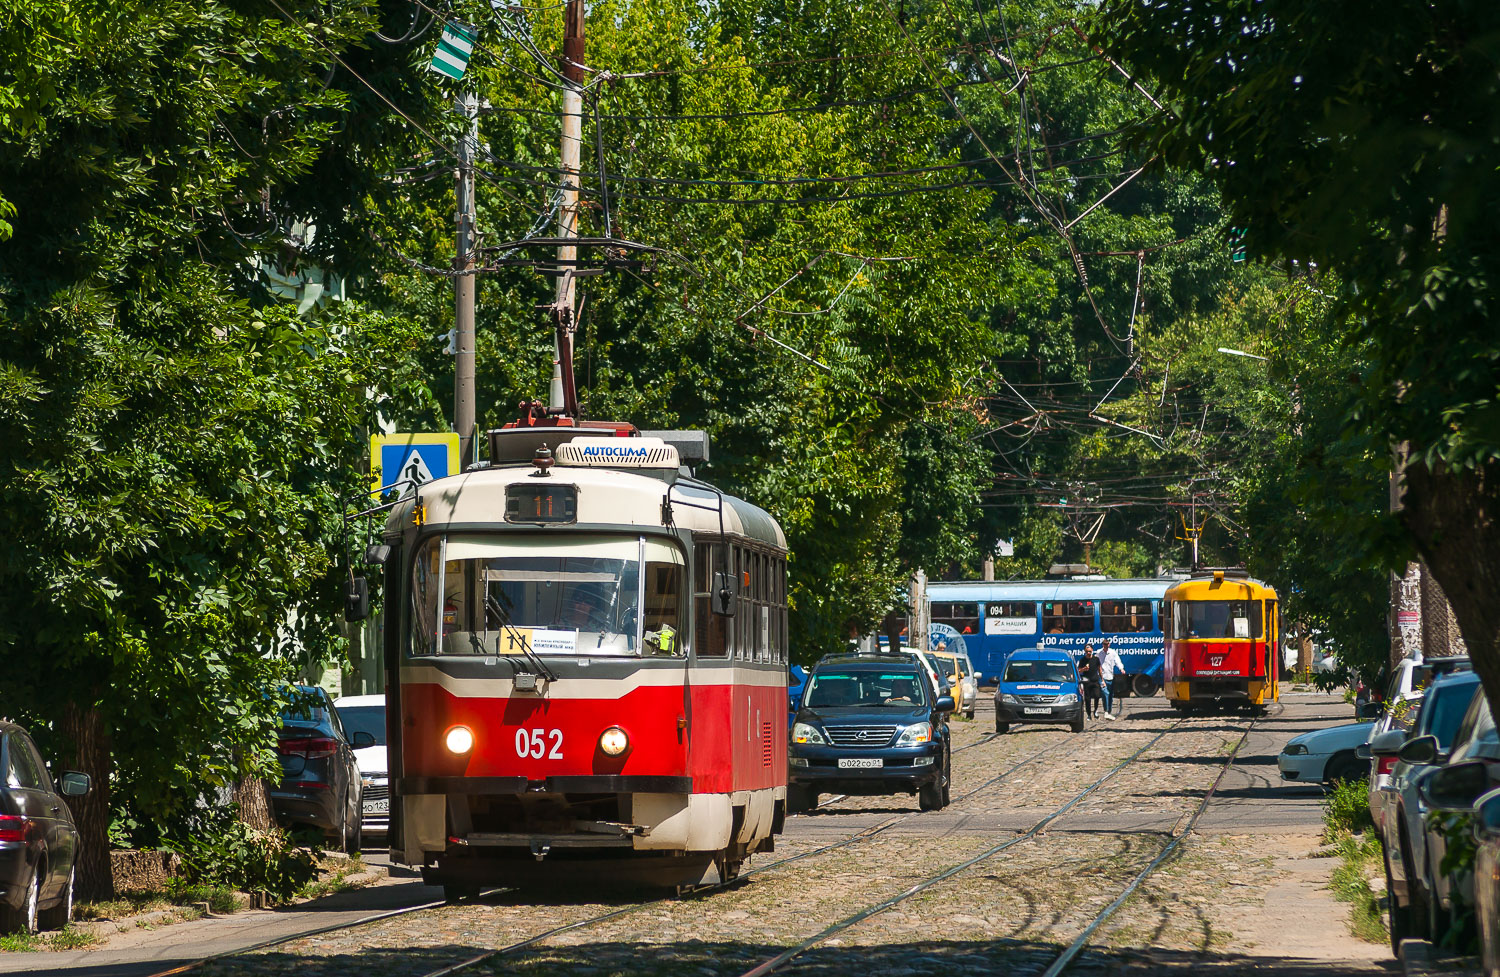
x=586, y=650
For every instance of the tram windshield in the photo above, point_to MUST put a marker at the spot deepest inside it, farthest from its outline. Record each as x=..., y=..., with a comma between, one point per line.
x=505, y=594
x=1217, y=619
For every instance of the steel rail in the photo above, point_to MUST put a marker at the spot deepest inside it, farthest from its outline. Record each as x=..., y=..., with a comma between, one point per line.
x=775, y=963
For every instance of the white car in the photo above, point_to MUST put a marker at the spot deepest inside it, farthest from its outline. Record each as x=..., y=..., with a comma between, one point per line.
x=366, y=713
x=1325, y=755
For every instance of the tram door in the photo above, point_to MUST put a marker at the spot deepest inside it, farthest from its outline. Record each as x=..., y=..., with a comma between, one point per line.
x=1273, y=651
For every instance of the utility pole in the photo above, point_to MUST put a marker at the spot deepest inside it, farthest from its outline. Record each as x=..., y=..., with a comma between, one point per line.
x=564, y=396
x=464, y=284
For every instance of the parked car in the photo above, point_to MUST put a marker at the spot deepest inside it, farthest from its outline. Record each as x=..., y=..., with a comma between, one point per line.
x=796, y=680
x=1325, y=755
x=870, y=725
x=320, y=781
x=1397, y=806
x=1038, y=685
x=366, y=714
x=1487, y=880
x=955, y=669
x=1473, y=769
x=38, y=839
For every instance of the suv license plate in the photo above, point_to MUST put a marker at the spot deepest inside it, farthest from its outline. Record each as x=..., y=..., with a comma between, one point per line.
x=860, y=763
x=1038, y=710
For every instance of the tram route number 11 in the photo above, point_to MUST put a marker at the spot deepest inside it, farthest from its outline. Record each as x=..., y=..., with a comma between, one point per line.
x=535, y=743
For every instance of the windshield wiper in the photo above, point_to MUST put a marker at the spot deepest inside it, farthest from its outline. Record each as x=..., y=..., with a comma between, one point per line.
x=531, y=656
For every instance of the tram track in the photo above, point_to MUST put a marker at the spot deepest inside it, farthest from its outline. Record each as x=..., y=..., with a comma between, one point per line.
x=1059, y=965
x=698, y=892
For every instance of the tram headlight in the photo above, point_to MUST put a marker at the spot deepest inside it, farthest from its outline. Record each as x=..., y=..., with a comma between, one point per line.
x=614, y=741
x=915, y=734
x=803, y=733
x=458, y=739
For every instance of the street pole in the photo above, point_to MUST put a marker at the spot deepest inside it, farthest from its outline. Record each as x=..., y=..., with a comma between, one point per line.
x=463, y=284
x=563, y=395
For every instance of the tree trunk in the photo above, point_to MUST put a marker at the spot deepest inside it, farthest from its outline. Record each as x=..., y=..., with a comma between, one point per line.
x=892, y=628
x=84, y=729
x=254, y=803
x=1454, y=518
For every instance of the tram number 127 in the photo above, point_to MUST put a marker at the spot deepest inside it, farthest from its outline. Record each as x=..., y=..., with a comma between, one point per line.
x=534, y=743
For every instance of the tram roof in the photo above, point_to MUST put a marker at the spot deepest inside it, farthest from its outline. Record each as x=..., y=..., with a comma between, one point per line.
x=606, y=496
x=981, y=590
x=1229, y=587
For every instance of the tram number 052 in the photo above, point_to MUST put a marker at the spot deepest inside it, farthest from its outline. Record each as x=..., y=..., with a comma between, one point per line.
x=539, y=743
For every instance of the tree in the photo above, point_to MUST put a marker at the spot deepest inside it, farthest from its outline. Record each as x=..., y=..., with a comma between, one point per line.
x=1359, y=144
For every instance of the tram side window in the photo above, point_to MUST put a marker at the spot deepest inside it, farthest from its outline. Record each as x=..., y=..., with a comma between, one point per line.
x=1124, y=616
x=961, y=617
x=711, y=630
x=1068, y=616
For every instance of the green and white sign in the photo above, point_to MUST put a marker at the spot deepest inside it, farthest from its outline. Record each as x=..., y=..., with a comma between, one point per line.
x=454, y=49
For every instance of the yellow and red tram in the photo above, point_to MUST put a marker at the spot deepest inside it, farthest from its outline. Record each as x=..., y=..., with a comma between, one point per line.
x=1223, y=647
x=587, y=661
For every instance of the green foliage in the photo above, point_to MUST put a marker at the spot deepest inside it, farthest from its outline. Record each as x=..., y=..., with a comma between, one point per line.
x=230, y=854
x=1346, y=808
x=1359, y=858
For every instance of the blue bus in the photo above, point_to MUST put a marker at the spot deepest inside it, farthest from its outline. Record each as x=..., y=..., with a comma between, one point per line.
x=997, y=617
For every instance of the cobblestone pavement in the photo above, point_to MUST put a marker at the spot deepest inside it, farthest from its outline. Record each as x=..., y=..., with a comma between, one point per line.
x=1010, y=913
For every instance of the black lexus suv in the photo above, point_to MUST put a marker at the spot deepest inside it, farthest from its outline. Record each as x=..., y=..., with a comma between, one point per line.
x=870, y=724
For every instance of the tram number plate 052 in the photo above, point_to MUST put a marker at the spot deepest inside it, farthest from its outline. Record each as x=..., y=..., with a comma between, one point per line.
x=860, y=763
x=1038, y=710
x=539, y=743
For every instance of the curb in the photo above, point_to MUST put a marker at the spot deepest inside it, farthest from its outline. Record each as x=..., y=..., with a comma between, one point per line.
x=1419, y=958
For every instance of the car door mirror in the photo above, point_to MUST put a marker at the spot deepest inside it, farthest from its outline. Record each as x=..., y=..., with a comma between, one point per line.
x=1456, y=787
x=1388, y=743
x=356, y=599
x=74, y=784
x=1423, y=749
x=945, y=703
x=724, y=594
x=1487, y=815
x=362, y=739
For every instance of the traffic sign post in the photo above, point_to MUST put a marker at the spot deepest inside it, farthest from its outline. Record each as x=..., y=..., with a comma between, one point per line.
x=403, y=463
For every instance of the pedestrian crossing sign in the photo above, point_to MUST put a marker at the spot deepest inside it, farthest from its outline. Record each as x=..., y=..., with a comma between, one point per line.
x=403, y=463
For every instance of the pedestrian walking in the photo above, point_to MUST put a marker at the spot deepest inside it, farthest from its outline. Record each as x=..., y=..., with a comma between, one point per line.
x=1088, y=669
x=1112, y=676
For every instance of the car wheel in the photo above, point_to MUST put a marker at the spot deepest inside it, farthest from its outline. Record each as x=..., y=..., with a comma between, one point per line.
x=799, y=799
x=930, y=797
x=947, y=779
x=1344, y=766
x=1002, y=727
x=1437, y=921
x=1416, y=895
x=23, y=920
x=1400, y=915
x=1144, y=686
x=454, y=894
x=354, y=839
x=1078, y=725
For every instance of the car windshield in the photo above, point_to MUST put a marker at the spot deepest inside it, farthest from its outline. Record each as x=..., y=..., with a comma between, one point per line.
x=948, y=667
x=832, y=689
x=516, y=593
x=1040, y=671
x=1217, y=618
x=364, y=719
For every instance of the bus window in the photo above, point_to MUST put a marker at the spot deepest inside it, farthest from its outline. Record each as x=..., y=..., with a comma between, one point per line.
x=961, y=617
x=1124, y=616
x=1068, y=616
x=1010, y=617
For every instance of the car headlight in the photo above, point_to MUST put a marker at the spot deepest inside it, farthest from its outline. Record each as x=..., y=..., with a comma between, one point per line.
x=459, y=739
x=803, y=733
x=1007, y=697
x=1295, y=749
x=915, y=734
x=1067, y=699
x=614, y=741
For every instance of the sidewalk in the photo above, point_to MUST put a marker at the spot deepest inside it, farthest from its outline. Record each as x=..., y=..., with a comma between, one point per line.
x=1420, y=958
x=146, y=952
